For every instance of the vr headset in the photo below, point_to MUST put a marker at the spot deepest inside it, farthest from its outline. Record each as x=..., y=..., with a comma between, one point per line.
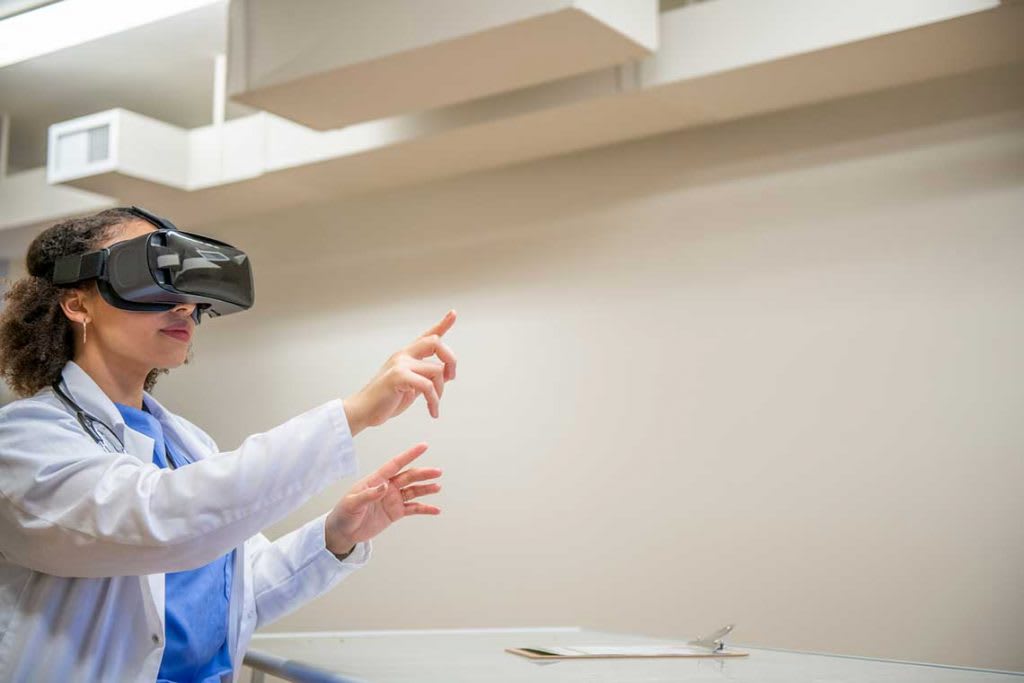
x=161, y=269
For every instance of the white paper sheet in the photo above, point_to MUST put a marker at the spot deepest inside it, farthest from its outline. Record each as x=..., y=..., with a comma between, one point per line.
x=627, y=651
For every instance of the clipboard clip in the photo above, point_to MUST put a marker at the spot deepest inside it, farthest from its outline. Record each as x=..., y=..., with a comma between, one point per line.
x=713, y=642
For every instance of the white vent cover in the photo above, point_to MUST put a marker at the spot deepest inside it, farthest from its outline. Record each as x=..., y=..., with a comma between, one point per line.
x=82, y=148
x=120, y=140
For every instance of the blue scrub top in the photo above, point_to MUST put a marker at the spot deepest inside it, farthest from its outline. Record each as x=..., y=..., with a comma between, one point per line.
x=196, y=601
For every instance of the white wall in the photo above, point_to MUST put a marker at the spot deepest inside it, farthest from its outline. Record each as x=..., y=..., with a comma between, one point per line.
x=767, y=372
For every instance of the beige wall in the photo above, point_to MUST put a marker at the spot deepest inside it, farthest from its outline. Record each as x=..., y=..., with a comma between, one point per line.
x=768, y=372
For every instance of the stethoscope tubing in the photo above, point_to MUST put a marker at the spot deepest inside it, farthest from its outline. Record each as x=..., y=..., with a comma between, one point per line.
x=89, y=423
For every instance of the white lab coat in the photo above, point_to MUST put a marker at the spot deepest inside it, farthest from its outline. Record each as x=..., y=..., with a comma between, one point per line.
x=86, y=535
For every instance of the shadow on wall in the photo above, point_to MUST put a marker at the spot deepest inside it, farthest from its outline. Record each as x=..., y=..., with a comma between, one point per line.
x=460, y=234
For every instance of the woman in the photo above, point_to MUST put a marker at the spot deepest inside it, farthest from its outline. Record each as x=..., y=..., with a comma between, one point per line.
x=129, y=545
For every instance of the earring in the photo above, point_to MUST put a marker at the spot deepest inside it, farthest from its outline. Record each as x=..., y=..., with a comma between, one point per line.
x=85, y=332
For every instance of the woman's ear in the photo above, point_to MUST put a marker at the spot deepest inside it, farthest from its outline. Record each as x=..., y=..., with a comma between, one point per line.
x=75, y=306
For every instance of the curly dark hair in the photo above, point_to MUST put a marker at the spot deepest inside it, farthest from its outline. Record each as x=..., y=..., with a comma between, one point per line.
x=36, y=338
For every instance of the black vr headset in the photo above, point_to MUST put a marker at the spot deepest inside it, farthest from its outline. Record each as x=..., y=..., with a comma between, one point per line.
x=161, y=269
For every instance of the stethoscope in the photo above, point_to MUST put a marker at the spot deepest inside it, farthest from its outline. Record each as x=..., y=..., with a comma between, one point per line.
x=92, y=425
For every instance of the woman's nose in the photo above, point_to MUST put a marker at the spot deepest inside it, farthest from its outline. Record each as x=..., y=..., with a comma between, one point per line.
x=191, y=310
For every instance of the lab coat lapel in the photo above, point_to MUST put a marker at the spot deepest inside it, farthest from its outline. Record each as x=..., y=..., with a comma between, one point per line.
x=84, y=390
x=194, y=449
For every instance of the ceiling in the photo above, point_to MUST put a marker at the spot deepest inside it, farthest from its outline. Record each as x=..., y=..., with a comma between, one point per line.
x=162, y=69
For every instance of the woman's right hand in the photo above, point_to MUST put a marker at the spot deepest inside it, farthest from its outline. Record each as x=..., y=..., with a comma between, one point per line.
x=405, y=375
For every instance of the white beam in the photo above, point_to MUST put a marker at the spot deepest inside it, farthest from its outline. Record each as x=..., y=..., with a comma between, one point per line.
x=326, y=64
x=220, y=87
x=5, y=142
x=26, y=199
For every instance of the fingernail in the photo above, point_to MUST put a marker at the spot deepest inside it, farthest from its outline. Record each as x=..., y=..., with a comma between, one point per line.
x=382, y=487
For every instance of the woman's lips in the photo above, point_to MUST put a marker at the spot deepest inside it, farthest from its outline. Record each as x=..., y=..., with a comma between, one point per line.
x=180, y=335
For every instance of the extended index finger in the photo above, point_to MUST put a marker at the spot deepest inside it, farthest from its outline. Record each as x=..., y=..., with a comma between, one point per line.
x=398, y=463
x=440, y=328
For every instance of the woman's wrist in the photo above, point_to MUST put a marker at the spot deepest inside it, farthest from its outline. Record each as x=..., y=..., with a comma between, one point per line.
x=342, y=555
x=337, y=543
x=354, y=416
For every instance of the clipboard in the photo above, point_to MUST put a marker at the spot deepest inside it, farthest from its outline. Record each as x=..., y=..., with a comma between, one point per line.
x=709, y=646
x=626, y=652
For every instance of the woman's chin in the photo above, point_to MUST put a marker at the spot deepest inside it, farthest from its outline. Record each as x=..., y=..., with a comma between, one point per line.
x=169, y=361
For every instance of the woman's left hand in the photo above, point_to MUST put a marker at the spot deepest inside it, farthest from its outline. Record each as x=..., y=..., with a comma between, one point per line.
x=381, y=499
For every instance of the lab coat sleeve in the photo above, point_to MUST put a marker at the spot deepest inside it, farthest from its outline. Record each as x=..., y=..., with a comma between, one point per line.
x=69, y=508
x=295, y=569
